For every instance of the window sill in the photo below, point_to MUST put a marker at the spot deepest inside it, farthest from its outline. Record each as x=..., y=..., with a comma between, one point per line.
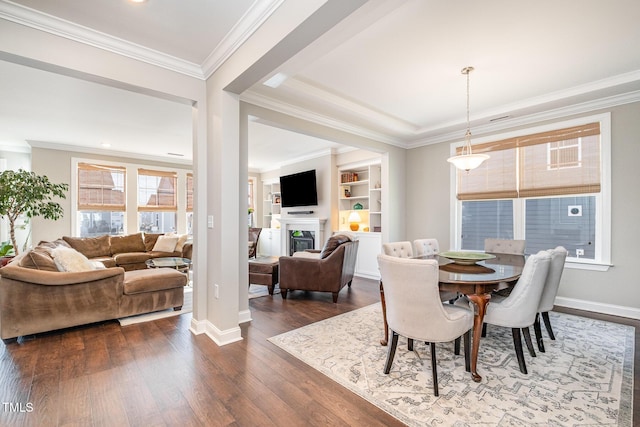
x=587, y=265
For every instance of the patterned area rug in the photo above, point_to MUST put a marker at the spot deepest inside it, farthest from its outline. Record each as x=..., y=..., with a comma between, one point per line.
x=585, y=378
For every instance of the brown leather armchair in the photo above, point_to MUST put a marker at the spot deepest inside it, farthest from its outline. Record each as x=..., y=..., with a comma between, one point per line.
x=328, y=271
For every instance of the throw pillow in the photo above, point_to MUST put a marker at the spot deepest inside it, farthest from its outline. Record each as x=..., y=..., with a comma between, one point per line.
x=165, y=244
x=182, y=239
x=39, y=258
x=91, y=247
x=70, y=260
x=332, y=244
x=150, y=240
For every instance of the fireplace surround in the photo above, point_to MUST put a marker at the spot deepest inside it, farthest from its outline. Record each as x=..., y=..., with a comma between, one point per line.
x=308, y=228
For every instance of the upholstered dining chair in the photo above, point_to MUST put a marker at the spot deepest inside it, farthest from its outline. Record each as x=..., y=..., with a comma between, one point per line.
x=558, y=257
x=504, y=246
x=415, y=311
x=424, y=247
x=254, y=235
x=398, y=249
x=518, y=310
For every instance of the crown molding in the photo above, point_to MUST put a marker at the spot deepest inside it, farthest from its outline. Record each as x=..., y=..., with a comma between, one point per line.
x=108, y=153
x=557, y=113
x=260, y=100
x=259, y=12
x=59, y=27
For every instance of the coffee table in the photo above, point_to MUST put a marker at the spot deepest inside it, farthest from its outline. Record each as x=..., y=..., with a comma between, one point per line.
x=177, y=263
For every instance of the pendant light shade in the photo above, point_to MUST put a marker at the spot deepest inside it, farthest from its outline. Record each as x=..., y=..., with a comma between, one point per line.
x=467, y=160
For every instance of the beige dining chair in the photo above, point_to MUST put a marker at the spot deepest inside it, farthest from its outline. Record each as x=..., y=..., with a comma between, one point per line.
x=415, y=311
x=398, y=249
x=558, y=258
x=518, y=310
x=504, y=246
x=425, y=247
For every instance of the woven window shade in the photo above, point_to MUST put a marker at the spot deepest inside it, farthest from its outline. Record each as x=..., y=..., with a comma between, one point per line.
x=101, y=188
x=564, y=161
x=157, y=191
x=189, y=192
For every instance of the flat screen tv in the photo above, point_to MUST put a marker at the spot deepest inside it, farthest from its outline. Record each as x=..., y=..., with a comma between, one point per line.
x=299, y=189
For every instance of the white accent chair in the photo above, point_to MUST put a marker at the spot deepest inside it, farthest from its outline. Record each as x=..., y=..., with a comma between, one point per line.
x=414, y=309
x=504, y=246
x=425, y=247
x=558, y=257
x=518, y=310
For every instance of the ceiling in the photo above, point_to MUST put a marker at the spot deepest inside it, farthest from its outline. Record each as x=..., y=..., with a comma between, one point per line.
x=389, y=71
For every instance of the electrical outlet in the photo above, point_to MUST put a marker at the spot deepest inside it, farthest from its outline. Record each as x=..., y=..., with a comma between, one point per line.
x=216, y=291
x=579, y=252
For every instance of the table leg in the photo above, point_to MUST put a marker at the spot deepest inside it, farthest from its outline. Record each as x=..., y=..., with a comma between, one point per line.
x=385, y=340
x=481, y=302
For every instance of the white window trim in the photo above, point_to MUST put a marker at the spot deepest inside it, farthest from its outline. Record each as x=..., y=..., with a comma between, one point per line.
x=603, y=200
x=131, y=188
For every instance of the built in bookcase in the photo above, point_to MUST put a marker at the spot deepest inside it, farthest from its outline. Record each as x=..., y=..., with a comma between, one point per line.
x=271, y=203
x=361, y=192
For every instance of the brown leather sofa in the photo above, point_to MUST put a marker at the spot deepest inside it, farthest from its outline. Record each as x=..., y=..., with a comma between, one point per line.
x=129, y=252
x=327, y=271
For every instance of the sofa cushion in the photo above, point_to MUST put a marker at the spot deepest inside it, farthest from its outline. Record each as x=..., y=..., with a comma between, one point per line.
x=165, y=244
x=157, y=279
x=332, y=244
x=68, y=259
x=38, y=258
x=128, y=243
x=150, y=240
x=91, y=247
x=131, y=258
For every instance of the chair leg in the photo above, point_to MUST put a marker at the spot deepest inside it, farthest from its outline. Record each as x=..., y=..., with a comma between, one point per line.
x=335, y=297
x=410, y=344
x=391, y=352
x=467, y=347
x=527, y=340
x=456, y=346
x=547, y=325
x=434, y=369
x=484, y=330
x=283, y=292
x=538, y=332
x=517, y=343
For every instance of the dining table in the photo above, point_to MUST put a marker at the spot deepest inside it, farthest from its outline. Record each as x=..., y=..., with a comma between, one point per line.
x=476, y=280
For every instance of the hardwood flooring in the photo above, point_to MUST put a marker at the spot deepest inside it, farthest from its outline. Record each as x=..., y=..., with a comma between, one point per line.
x=159, y=374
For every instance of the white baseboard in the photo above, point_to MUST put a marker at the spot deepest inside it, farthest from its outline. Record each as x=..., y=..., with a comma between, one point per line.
x=219, y=337
x=613, y=310
x=244, y=316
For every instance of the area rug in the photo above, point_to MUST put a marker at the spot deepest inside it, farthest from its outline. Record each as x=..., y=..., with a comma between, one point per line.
x=187, y=307
x=585, y=378
x=257, y=291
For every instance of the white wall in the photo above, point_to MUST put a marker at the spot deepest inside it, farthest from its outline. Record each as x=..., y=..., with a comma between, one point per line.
x=614, y=291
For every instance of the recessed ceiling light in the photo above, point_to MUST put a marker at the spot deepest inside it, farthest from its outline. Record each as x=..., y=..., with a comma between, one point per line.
x=106, y=145
x=175, y=154
x=276, y=80
x=137, y=1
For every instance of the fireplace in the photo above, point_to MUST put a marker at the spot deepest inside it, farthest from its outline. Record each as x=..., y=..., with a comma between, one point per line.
x=309, y=234
x=301, y=240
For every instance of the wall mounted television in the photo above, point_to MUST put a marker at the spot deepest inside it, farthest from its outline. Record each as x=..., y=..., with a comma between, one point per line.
x=299, y=189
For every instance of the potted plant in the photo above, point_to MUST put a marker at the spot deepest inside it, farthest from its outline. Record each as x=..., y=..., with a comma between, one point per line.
x=26, y=193
x=6, y=253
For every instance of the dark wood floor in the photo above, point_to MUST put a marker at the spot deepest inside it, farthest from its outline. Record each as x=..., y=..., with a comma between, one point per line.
x=159, y=374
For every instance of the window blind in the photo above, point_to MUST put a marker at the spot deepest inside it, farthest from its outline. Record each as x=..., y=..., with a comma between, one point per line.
x=189, y=192
x=559, y=162
x=101, y=188
x=157, y=191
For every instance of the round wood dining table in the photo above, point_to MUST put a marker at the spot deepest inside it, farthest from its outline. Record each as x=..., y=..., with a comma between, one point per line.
x=476, y=281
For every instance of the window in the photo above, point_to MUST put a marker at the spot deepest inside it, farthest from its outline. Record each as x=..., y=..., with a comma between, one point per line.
x=546, y=187
x=101, y=199
x=190, y=204
x=157, y=201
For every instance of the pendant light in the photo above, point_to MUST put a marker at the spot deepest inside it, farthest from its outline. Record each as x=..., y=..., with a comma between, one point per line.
x=467, y=160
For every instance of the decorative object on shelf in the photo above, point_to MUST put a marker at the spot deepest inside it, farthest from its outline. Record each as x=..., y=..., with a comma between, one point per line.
x=467, y=160
x=354, y=221
x=347, y=192
x=358, y=206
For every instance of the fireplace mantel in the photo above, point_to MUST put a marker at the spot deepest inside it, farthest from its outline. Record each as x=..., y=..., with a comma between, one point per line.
x=303, y=224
